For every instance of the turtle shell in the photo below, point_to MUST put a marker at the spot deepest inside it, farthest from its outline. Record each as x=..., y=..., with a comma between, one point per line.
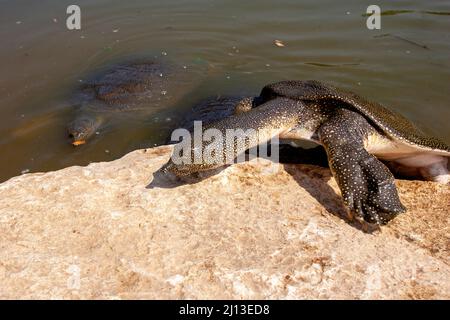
x=211, y=110
x=124, y=86
x=142, y=85
x=391, y=123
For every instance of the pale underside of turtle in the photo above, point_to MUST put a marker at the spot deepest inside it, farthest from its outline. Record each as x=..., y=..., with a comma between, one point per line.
x=363, y=140
x=143, y=86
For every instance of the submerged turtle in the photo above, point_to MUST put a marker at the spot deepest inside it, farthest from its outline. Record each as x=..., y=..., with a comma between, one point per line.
x=137, y=86
x=361, y=138
x=213, y=109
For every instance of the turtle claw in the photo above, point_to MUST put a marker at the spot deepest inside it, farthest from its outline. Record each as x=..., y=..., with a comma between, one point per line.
x=374, y=196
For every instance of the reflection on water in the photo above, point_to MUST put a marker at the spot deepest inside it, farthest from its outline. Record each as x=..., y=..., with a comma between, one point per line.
x=405, y=65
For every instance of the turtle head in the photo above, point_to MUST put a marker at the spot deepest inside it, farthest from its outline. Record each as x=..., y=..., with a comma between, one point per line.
x=179, y=170
x=82, y=128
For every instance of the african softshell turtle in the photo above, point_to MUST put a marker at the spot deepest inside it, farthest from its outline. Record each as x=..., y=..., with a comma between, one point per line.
x=362, y=139
x=136, y=87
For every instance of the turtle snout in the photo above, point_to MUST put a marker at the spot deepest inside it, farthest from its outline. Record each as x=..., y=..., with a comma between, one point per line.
x=80, y=130
x=77, y=138
x=176, y=169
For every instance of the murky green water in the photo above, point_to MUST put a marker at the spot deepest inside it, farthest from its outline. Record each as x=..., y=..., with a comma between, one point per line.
x=405, y=65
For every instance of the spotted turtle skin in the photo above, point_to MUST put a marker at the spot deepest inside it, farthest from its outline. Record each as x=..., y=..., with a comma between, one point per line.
x=363, y=140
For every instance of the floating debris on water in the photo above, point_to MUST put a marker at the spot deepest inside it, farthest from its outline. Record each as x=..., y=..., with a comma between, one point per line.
x=116, y=30
x=164, y=92
x=55, y=20
x=279, y=43
x=18, y=22
x=319, y=64
x=25, y=171
x=403, y=39
x=439, y=13
x=390, y=12
x=164, y=53
x=106, y=151
x=396, y=12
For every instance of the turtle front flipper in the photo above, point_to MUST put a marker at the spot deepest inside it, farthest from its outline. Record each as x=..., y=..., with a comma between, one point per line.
x=367, y=185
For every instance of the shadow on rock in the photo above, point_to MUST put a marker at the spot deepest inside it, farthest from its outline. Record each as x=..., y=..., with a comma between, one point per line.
x=315, y=156
x=315, y=183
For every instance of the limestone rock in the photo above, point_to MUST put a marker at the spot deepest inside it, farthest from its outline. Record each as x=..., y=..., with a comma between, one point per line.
x=247, y=232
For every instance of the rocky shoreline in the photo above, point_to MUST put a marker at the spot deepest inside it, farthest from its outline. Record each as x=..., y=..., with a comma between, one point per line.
x=101, y=232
